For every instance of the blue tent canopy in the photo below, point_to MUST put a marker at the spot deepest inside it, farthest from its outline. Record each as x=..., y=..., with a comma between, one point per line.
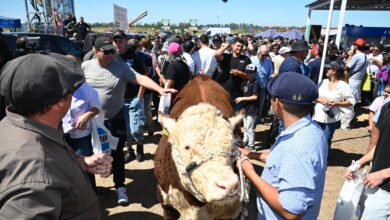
x=293, y=34
x=9, y=22
x=268, y=33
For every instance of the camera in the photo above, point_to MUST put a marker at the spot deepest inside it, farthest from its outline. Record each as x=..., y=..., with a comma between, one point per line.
x=230, y=40
x=26, y=45
x=328, y=110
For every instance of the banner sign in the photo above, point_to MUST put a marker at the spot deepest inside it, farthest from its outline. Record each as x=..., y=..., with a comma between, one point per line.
x=120, y=17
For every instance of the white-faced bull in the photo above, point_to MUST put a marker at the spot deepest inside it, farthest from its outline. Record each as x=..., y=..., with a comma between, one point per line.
x=194, y=162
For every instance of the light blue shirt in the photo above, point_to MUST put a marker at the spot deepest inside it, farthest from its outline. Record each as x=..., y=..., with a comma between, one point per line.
x=378, y=113
x=264, y=70
x=358, y=66
x=296, y=167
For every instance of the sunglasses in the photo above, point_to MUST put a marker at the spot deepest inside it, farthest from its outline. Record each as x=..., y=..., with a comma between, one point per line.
x=107, y=52
x=118, y=40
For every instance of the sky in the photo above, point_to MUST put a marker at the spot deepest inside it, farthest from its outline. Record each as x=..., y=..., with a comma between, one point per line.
x=258, y=12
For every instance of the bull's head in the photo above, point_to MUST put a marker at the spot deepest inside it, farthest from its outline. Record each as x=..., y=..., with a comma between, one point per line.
x=201, y=141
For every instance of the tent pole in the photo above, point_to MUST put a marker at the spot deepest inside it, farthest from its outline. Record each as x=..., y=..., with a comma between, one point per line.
x=326, y=41
x=308, y=26
x=341, y=22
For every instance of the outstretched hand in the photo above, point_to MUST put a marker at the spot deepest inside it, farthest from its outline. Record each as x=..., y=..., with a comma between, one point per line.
x=166, y=91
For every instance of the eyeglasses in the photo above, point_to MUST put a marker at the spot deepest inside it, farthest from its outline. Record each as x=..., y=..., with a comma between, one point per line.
x=107, y=52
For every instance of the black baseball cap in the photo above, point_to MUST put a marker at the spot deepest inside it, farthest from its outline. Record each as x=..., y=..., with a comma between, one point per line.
x=339, y=67
x=251, y=68
x=118, y=34
x=102, y=43
x=217, y=38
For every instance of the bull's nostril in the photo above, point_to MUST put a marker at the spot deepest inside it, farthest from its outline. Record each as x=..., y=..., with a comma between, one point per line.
x=221, y=186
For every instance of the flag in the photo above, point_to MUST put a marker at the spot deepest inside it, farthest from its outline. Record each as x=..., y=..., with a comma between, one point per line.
x=57, y=19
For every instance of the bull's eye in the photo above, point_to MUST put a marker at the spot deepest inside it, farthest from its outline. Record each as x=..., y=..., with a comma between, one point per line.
x=187, y=147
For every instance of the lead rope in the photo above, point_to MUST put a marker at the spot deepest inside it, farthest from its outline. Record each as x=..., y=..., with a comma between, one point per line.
x=244, y=182
x=244, y=197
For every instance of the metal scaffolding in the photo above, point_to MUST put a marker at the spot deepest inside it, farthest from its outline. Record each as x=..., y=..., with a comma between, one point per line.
x=40, y=13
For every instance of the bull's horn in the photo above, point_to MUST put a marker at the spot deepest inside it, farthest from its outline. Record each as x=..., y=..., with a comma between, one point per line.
x=167, y=122
x=235, y=120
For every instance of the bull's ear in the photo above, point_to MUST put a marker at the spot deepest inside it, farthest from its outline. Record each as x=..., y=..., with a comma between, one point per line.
x=167, y=122
x=236, y=120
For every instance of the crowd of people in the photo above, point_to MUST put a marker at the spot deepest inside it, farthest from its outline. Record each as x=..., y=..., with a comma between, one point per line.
x=122, y=80
x=72, y=28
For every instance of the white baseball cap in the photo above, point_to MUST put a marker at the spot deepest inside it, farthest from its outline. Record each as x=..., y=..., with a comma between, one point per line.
x=284, y=50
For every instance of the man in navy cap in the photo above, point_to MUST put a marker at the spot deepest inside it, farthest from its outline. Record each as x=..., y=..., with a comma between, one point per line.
x=293, y=179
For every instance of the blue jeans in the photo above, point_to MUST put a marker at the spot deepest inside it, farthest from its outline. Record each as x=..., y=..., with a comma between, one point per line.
x=81, y=146
x=148, y=111
x=134, y=119
x=329, y=129
x=249, y=129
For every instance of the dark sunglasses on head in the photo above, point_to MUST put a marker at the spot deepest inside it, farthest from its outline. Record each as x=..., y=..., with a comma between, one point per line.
x=107, y=52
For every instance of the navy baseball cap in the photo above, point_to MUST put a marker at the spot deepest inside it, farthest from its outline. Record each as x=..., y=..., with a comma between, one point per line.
x=293, y=88
x=251, y=68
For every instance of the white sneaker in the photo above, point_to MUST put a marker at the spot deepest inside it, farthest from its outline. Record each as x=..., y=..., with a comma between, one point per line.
x=122, y=195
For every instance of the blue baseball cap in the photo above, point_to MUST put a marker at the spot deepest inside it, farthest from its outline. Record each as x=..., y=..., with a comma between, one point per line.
x=293, y=88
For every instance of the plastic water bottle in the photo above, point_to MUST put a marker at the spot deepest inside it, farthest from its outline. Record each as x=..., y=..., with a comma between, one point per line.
x=103, y=137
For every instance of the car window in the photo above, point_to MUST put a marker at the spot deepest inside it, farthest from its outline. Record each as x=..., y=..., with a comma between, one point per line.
x=50, y=44
x=57, y=44
x=69, y=47
x=10, y=40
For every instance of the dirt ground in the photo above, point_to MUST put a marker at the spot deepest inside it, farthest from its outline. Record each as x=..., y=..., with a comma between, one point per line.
x=141, y=187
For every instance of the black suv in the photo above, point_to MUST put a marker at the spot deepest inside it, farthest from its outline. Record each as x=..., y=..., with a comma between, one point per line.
x=46, y=42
